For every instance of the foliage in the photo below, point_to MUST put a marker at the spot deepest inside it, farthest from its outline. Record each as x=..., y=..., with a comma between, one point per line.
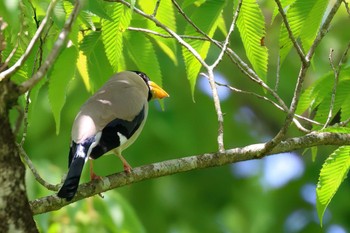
x=108, y=37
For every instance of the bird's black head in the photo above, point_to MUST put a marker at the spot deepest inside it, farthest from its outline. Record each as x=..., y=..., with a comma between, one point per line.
x=146, y=79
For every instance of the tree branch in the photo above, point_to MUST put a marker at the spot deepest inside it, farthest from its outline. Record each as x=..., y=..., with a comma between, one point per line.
x=290, y=33
x=7, y=73
x=58, y=46
x=170, y=167
x=301, y=77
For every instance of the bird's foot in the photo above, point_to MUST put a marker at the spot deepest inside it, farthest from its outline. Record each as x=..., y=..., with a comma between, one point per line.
x=93, y=176
x=127, y=168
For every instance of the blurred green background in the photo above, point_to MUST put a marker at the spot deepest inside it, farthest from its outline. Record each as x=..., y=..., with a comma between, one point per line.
x=274, y=194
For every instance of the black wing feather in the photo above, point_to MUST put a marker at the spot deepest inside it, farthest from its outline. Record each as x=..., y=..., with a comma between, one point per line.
x=110, y=138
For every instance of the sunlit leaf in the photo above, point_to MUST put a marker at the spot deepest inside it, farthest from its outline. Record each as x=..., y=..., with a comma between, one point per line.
x=98, y=65
x=59, y=14
x=314, y=19
x=251, y=25
x=211, y=10
x=304, y=18
x=321, y=89
x=146, y=61
x=62, y=72
x=112, y=32
x=333, y=172
x=166, y=15
x=96, y=7
x=285, y=4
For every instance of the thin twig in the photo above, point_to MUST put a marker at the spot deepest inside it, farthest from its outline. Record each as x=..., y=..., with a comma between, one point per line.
x=156, y=8
x=231, y=54
x=334, y=89
x=38, y=178
x=278, y=73
x=144, y=30
x=7, y=73
x=323, y=30
x=300, y=127
x=57, y=47
x=302, y=73
x=212, y=80
x=290, y=33
x=8, y=59
x=336, y=72
x=344, y=123
x=227, y=40
x=347, y=6
x=344, y=57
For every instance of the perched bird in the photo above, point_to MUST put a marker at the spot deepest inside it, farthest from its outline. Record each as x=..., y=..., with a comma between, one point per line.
x=111, y=119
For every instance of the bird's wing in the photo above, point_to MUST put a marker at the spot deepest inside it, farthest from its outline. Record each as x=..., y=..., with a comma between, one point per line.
x=118, y=133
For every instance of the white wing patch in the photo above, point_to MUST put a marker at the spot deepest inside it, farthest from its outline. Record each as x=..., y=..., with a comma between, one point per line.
x=122, y=139
x=94, y=144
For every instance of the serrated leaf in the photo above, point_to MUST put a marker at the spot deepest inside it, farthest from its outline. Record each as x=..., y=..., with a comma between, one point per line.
x=336, y=129
x=99, y=68
x=112, y=32
x=148, y=62
x=208, y=24
x=59, y=14
x=166, y=15
x=342, y=93
x=314, y=19
x=62, y=72
x=96, y=8
x=83, y=70
x=251, y=25
x=314, y=95
x=333, y=172
x=285, y=4
x=222, y=25
x=304, y=17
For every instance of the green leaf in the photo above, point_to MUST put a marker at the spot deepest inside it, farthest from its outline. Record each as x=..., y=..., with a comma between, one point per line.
x=222, y=25
x=333, y=172
x=96, y=7
x=148, y=61
x=304, y=17
x=251, y=25
x=284, y=3
x=112, y=32
x=99, y=68
x=10, y=12
x=121, y=216
x=59, y=14
x=62, y=72
x=313, y=22
x=211, y=9
x=342, y=93
x=336, y=129
x=166, y=15
x=320, y=90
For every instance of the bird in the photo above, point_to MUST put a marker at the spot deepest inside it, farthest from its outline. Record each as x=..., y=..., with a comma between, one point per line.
x=110, y=120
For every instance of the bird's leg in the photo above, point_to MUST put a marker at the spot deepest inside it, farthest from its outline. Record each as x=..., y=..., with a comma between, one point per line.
x=126, y=165
x=93, y=175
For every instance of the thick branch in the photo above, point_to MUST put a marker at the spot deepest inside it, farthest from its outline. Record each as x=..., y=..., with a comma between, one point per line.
x=50, y=203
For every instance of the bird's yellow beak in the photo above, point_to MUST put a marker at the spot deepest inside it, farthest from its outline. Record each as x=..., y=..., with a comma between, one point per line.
x=157, y=91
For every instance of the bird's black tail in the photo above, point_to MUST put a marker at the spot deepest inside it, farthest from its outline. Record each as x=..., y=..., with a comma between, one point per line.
x=70, y=185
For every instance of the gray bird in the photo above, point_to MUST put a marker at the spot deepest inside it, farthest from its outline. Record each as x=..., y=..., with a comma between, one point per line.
x=110, y=120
